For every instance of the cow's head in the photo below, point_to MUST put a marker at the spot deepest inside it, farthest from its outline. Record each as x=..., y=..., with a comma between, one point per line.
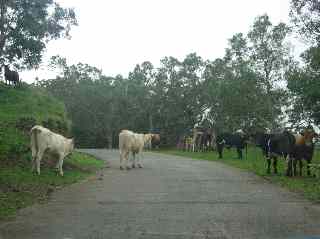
x=309, y=134
x=156, y=137
x=71, y=145
x=147, y=138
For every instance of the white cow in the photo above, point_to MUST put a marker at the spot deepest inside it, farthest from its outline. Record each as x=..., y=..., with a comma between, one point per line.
x=43, y=140
x=134, y=143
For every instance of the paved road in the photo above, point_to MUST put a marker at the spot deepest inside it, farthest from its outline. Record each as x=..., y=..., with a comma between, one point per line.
x=171, y=198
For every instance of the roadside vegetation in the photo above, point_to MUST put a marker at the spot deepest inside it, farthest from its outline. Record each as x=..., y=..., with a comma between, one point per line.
x=254, y=162
x=21, y=108
x=20, y=188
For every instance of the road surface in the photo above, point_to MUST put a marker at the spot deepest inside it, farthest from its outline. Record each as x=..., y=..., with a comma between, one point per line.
x=170, y=198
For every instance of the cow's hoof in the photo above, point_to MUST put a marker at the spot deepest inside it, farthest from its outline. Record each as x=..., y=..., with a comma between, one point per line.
x=121, y=168
x=133, y=166
x=140, y=166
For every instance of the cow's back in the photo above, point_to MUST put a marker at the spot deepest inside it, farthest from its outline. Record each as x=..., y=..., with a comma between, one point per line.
x=47, y=139
x=125, y=140
x=282, y=143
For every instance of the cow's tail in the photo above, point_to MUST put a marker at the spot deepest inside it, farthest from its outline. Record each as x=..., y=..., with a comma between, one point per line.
x=34, y=141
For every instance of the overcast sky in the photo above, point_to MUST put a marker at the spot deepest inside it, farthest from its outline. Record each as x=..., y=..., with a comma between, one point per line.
x=114, y=35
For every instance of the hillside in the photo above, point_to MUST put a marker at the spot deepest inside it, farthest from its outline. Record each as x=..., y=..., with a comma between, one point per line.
x=20, y=109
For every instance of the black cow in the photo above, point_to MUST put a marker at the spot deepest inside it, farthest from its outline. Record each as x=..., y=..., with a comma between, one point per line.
x=11, y=76
x=294, y=148
x=231, y=140
x=274, y=145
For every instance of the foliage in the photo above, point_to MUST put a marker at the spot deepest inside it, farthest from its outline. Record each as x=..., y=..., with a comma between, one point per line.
x=305, y=14
x=304, y=85
x=244, y=91
x=26, y=26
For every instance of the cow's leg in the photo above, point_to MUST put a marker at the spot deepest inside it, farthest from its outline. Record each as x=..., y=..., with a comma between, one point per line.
x=124, y=155
x=220, y=149
x=121, y=159
x=275, y=164
x=289, y=164
x=239, y=150
x=268, y=164
x=33, y=163
x=308, y=167
x=38, y=160
x=33, y=158
x=139, y=157
x=300, y=167
x=60, y=165
x=133, y=160
x=294, y=166
x=126, y=160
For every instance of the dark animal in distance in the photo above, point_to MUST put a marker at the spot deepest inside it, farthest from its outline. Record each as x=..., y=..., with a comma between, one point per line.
x=11, y=76
x=229, y=140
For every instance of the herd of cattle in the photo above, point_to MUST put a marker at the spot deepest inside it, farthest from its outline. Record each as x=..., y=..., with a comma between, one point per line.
x=292, y=147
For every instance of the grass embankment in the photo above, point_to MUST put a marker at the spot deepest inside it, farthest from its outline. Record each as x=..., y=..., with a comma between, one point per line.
x=308, y=186
x=20, y=188
x=20, y=109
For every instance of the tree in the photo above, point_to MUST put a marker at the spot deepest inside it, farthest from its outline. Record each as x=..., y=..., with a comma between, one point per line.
x=303, y=82
x=304, y=85
x=305, y=14
x=269, y=53
x=27, y=25
x=270, y=57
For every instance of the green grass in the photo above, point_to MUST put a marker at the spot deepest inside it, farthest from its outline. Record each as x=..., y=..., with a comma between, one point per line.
x=28, y=101
x=20, y=109
x=20, y=188
x=254, y=162
x=17, y=106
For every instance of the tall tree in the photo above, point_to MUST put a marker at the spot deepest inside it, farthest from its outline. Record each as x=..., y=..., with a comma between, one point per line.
x=26, y=26
x=305, y=14
x=304, y=85
x=270, y=56
x=303, y=82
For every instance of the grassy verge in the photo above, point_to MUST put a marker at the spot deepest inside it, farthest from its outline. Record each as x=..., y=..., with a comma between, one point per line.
x=20, y=188
x=308, y=186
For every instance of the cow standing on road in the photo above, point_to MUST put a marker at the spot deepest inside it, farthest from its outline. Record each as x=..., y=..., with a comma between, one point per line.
x=130, y=142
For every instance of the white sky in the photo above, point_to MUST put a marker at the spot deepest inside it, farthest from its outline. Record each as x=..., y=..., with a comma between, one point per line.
x=114, y=35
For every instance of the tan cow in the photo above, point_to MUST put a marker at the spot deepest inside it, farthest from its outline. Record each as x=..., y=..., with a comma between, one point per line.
x=43, y=140
x=134, y=143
